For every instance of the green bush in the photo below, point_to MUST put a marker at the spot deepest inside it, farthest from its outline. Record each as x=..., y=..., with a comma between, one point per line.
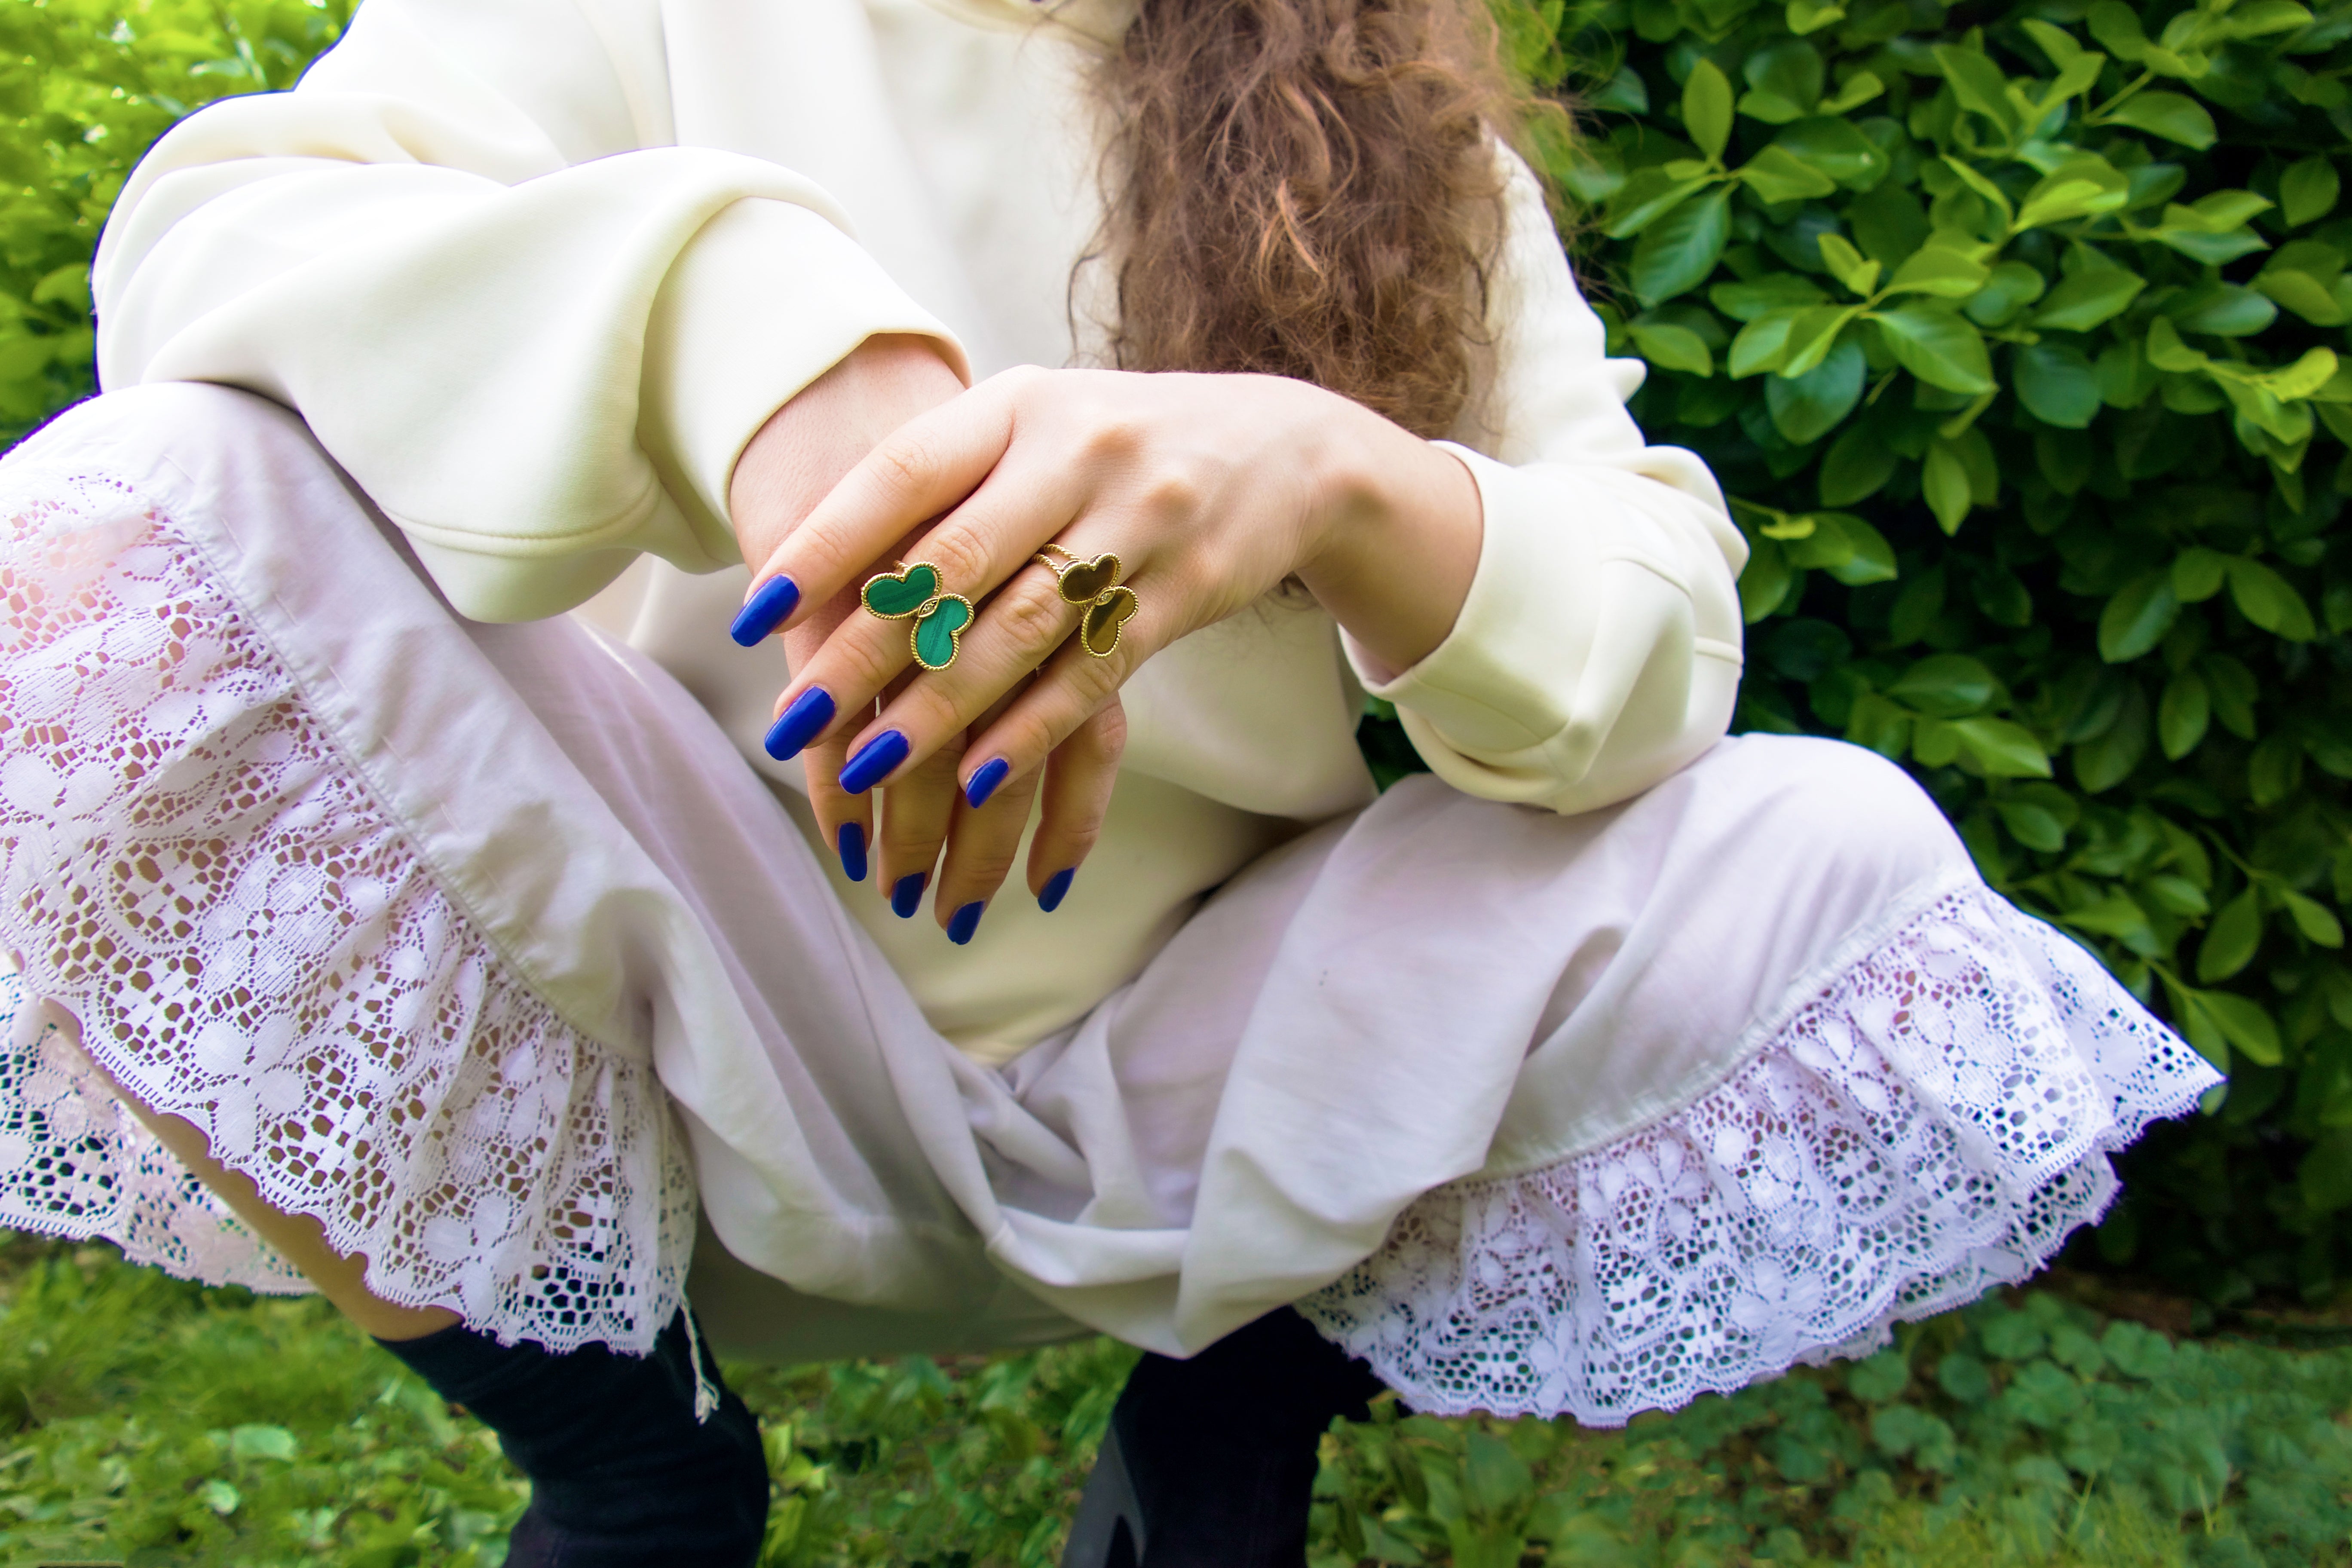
x=2013, y=331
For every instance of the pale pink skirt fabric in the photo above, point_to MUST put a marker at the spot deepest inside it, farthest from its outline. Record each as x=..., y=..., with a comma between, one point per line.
x=483, y=945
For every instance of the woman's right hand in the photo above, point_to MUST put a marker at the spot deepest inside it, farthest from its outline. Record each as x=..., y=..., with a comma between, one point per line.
x=789, y=466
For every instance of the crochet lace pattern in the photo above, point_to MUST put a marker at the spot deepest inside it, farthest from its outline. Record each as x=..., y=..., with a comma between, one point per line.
x=1936, y=1123
x=201, y=895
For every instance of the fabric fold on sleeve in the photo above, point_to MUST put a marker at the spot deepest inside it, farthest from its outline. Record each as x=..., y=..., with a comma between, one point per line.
x=536, y=344
x=1598, y=650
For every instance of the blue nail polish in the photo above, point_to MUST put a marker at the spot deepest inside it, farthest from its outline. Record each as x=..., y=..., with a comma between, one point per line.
x=966, y=921
x=906, y=895
x=984, y=783
x=764, y=611
x=1058, y=887
x=874, y=761
x=797, y=725
x=853, y=851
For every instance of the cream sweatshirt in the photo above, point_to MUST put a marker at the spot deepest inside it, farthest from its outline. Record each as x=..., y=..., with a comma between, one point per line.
x=535, y=271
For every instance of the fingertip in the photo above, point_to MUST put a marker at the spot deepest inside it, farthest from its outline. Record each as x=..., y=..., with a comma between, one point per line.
x=992, y=772
x=769, y=607
x=906, y=895
x=965, y=921
x=1057, y=888
x=852, y=843
x=799, y=724
x=874, y=762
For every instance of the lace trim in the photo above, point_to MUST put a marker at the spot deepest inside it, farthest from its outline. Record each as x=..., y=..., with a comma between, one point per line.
x=1936, y=1123
x=209, y=900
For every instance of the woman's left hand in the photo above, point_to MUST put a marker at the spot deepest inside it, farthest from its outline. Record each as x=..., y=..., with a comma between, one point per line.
x=1209, y=490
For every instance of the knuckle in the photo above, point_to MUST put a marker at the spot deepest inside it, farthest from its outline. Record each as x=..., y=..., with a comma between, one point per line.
x=904, y=461
x=1032, y=615
x=1171, y=496
x=961, y=558
x=1104, y=736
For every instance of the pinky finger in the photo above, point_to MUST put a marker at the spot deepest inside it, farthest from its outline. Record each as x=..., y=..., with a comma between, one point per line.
x=1079, y=774
x=846, y=820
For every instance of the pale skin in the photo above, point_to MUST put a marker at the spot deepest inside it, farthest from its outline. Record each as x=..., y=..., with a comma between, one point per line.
x=1213, y=490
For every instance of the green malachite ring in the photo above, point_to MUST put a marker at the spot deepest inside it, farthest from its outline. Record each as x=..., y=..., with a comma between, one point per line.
x=937, y=636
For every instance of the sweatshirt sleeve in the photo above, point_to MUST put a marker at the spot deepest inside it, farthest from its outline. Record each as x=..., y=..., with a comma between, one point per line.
x=463, y=249
x=1598, y=650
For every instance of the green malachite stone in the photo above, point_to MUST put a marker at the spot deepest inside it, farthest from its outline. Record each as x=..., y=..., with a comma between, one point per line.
x=937, y=633
x=898, y=593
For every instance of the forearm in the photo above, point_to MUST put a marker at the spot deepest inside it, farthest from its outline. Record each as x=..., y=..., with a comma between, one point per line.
x=1399, y=542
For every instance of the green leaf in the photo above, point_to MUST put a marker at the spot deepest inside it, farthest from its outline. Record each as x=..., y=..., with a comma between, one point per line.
x=1811, y=15
x=1979, y=84
x=1859, y=555
x=2170, y=115
x=2315, y=919
x=1812, y=335
x=1941, y=271
x=1707, y=109
x=1808, y=406
x=1493, y=1478
x=1836, y=148
x=2269, y=601
x=2246, y=1026
x=1670, y=347
x=2002, y=750
x=2220, y=311
x=2198, y=573
x=2108, y=758
x=1857, y=467
x=1646, y=196
x=1777, y=175
x=2008, y=288
x=1947, y=685
x=1674, y=255
x=1944, y=480
x=1763, y=343
x=1789, y=69
x=2081, y=185
x=1764, y=581
x=2183, y=714
x=2232, y=939
x=2300, y=292
x=2307, y=191
x=2137, y=616
x=2082, y=301
x=1935, y=345
x=2031, y=824
x=1846, y=264
x=2055, y=383
x=2117, y=916
x=2058, y=45
x=1779, y=290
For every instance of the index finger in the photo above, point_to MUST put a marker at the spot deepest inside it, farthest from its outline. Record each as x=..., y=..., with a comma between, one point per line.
x=919, y=471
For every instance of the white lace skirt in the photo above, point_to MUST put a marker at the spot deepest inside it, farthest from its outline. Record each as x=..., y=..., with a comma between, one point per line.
x=482, y=945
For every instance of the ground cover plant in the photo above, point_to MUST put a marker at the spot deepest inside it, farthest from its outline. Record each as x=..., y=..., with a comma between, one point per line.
x=143, y=1421
x=2011, y=329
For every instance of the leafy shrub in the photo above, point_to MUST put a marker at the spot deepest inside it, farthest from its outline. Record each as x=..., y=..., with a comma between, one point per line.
x=2013, y=330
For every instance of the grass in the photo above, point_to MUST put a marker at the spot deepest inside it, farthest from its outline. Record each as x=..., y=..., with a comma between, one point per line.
x=154, y=1422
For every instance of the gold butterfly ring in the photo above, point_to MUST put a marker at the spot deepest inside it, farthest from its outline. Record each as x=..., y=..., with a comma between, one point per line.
x=1095, y=584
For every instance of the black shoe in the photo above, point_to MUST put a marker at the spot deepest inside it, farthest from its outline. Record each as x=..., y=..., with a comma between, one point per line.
x=1209, y=1463
x=633, y=1460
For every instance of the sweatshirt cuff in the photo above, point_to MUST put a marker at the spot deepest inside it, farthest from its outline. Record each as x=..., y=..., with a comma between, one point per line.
x=1569, y=677
x=767, y=297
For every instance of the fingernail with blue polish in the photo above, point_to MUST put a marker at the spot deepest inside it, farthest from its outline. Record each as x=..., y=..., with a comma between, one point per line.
x=984, y=783
x=764, y=611
x=853, y=851
x=906, y=895
x=1058, y=887
x=966, y=921
x=797, y=725
x=874, y=762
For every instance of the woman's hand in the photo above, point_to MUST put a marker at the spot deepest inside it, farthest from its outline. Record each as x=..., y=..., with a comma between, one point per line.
x=1209, y=490
x=796, y=457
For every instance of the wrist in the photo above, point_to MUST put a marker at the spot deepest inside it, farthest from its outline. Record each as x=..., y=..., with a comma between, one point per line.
x=826, y=430
x=1395, y=536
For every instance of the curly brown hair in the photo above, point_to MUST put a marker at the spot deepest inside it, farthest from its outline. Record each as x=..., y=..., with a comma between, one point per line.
x=1309, y=188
